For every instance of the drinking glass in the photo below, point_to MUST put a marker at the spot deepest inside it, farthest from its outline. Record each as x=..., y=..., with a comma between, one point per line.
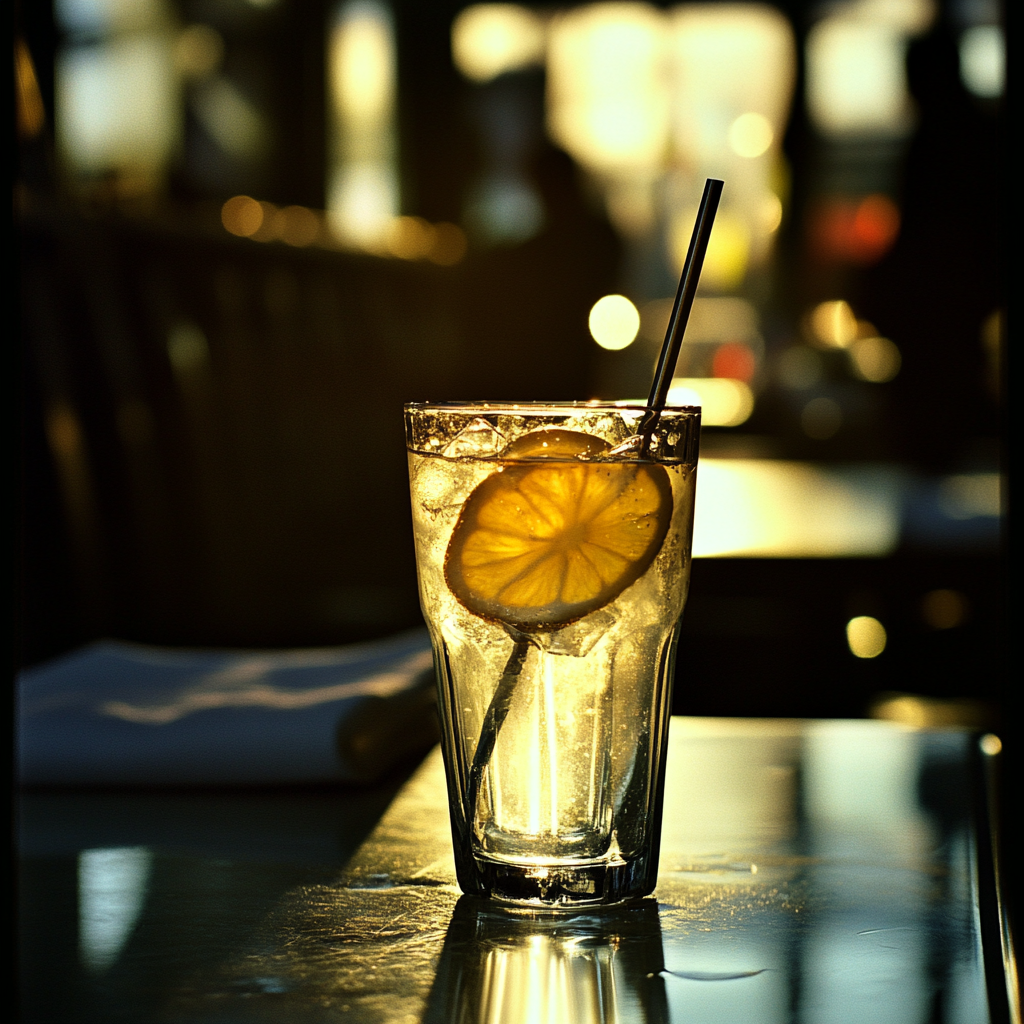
x=553, y=557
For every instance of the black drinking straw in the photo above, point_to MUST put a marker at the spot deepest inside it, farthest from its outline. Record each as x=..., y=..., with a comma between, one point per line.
x=688, y=281
x=501, y=700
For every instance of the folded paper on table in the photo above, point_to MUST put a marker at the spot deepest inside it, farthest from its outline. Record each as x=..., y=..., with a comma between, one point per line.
x=120, y=714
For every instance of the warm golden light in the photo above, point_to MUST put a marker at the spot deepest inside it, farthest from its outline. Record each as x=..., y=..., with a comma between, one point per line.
x=608, y=104
x=920, y=712
x=833, y=324
x=614, y=322
x=362, y=185
x=865, y=636
x=875, y=359
x=491, y=39
x=242, y=216
x=30, y=110
x=856, y=77
x=990, y=744
x=297, y=225
x=770, y=213
x=733, y=73
x=728, y=254
x=774, y=509
x=362, y=64
x=750, y=135
x=724, y=402
x=410, y=238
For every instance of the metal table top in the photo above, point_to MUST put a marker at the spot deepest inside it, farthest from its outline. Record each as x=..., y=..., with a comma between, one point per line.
x=811, y=871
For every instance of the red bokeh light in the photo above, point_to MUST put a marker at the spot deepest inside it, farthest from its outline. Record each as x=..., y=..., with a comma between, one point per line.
x=854, y=231
x=735, y=360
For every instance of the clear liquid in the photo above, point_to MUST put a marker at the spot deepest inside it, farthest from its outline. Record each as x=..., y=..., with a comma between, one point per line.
x=571, y=780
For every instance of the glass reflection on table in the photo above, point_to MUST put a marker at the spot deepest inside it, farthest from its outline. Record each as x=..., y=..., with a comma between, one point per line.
x=500, y=965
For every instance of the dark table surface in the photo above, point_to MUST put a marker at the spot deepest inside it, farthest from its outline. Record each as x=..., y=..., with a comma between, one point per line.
x=811, y=871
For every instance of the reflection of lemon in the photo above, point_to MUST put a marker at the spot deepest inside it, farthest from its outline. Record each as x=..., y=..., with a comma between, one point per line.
x=542, y=543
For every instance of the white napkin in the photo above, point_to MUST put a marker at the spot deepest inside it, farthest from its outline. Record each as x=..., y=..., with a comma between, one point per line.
x=119, y=714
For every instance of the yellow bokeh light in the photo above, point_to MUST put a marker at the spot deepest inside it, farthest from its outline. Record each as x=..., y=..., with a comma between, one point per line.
x=725, y=263
x=771, y=213
x=297, y=225
x=724, y=402
x=767, y=508
x=242, y=216
x=750, y=135
x=866, y=636
x=410, y=238
x=362, y=64
x=614, y=322
x=833, y=324
x=490, y=39
x=30, y=109
x=990, y=744
x=875, y=359
x=608, y=104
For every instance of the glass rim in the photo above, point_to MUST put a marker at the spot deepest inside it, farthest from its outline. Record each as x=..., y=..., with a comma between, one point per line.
x=535, y=407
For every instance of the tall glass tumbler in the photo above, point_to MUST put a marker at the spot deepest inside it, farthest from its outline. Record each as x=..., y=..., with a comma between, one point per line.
x=553, y=554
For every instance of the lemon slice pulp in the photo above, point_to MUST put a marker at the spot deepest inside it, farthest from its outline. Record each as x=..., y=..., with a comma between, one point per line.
x=549, y=538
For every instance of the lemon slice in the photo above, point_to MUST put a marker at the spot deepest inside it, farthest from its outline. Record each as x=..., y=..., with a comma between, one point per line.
x=549, y=538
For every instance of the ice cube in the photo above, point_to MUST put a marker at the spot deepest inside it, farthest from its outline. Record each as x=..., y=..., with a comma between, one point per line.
x=578, y=639
x=477, y=440
x=628, y=449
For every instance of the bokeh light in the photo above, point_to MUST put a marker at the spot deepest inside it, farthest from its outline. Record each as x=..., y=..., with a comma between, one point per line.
x=865, y=636
x=768, y=508
x=750, y=135
x=983, y=60
x=833, y=324
x=735, y=360
x=858, y=231
x=856, y=77
x=875, y=359
x=242, y=216
x=491, y=39
x=724, y=402
x=614, y=322
x=608, y=104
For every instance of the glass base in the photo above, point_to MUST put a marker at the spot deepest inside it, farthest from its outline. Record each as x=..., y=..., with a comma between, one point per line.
x=568, y=887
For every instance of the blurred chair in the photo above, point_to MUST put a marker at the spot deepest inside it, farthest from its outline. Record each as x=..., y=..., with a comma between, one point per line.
x=224, y=421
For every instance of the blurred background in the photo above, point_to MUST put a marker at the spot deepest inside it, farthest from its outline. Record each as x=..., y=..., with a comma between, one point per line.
x=249, y=230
